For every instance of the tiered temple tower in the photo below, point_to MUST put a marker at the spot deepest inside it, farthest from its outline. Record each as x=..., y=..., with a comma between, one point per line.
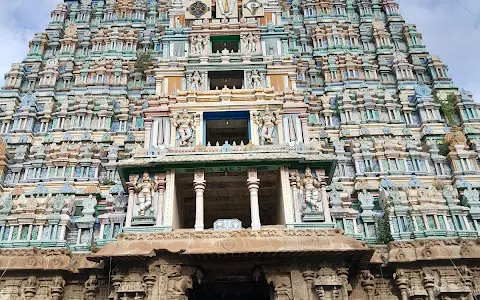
x=236, y=149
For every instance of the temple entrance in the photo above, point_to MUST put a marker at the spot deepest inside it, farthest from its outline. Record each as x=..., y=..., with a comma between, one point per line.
x=227, y=197
x=231, y=288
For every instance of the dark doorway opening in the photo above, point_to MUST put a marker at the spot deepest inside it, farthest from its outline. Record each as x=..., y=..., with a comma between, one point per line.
x=229, y=42
x=231, y=289
x=230, y=79
x=221, y=127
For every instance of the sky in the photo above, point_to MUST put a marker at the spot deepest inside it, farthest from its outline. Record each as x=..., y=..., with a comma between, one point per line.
x=449, y=31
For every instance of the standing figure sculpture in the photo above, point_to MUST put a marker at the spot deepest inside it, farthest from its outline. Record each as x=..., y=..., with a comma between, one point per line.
x=196, y=81
x=198, y=43
x=185, y=127
x=309, y=185
x=256, y=79
x=250, y=42
x=266, y=124
x=145, y=189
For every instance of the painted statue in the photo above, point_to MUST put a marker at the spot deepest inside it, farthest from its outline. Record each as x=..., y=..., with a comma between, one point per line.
x=266, y=123
x=185, y=127
x=256, y=79
x=196, y=81
x=309, y=185
x=250, y=41
x=145, y=189
x=198, y=43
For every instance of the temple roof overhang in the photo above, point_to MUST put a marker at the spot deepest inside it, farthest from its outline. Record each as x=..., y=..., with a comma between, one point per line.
x=270, y=241
x=188, y=159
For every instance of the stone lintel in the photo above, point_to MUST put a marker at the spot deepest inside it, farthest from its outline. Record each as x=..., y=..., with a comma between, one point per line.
x=272, y=240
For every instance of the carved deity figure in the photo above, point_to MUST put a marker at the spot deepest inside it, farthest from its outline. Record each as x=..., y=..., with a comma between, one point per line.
x=250, y=41
x=145, y=189
x=185, y=127
x=198, y=43
x=196, y=81
x=255, y=79
x=266, y=123
x=309, y=185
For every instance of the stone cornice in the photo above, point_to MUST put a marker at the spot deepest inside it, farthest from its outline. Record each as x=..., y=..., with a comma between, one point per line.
x=426, y=250
x=269, y=239
x=194, y=155
x=55, y=259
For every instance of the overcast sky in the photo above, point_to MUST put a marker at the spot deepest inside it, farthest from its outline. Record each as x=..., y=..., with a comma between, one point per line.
x=449, y=31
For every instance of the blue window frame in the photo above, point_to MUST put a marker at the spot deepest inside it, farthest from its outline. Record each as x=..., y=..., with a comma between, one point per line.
x=225, y=115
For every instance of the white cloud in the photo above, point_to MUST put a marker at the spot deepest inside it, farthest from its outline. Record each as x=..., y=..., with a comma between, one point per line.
x=20, y=23
x=452, y=33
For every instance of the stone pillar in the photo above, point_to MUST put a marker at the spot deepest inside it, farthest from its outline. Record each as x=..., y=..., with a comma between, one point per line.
x=40, y=232
x=304, y=121
x=429, y=284
x=309, y=277
x=253, y=129
x=102, y=229
x=131, y=200
x=199, y=185
x=253, y=184
x=148, y=132
x=402, y=283
x=296, y=205
x=57, y=288
x=368, y=283
x=30, y=287
x=63, y=232
x=199, y=134
x=161, y=196
x=325, y=203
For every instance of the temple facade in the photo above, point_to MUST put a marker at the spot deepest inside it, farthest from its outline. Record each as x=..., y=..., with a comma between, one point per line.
x=236, y=149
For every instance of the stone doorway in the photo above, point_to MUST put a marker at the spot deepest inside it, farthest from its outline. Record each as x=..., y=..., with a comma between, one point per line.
x=231, y=288
x=226, y=196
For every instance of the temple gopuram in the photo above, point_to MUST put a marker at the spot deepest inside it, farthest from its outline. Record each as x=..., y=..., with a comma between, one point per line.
x=236, y=150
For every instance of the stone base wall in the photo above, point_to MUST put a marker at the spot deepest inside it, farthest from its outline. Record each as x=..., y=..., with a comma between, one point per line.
x=166, y=277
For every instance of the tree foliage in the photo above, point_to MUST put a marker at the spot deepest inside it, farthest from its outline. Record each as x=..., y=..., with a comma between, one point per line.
x=448, y=109
x=143, y=62
x=382, y=226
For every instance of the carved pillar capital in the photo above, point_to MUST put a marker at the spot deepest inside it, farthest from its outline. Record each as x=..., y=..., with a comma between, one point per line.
x=149, y=280
x=309, y=277
x=401, y=280
x=91, y=287
x=368, y=283
x=282, y=286
x=57, y=287
x=30, y=287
